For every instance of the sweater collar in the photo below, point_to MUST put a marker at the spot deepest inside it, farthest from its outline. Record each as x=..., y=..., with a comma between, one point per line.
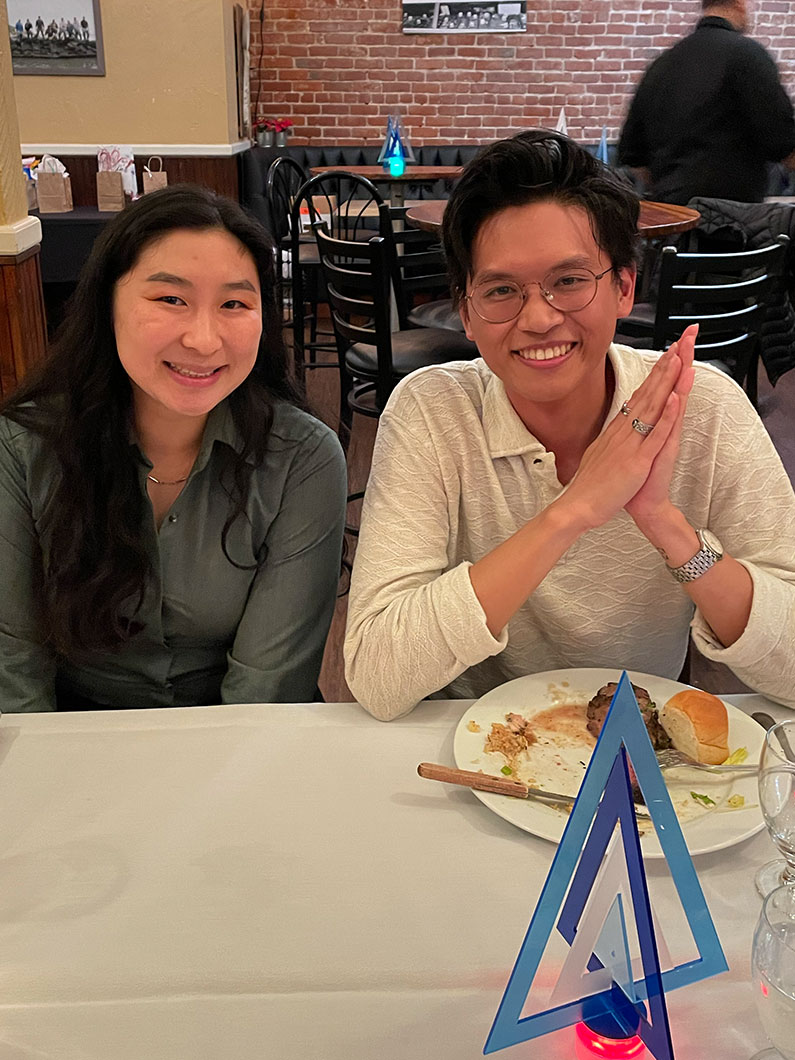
x=504, y=431
x=716, y=22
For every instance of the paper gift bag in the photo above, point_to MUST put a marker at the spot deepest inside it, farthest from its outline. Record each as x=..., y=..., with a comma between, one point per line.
x=154, y=179
x=110, y=191
x=54, y=193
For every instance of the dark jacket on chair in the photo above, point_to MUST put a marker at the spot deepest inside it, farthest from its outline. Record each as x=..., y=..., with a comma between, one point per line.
x=727, y=226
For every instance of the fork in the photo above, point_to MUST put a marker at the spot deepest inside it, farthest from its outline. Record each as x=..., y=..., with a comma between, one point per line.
x=670, y=758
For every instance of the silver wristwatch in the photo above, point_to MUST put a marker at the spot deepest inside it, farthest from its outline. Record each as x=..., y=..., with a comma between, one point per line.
x=707, y=556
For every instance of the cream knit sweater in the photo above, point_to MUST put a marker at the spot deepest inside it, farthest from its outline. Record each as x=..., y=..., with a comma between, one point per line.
x=455, y=472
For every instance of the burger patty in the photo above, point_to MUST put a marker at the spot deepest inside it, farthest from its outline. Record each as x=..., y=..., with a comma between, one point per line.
x=599, y=705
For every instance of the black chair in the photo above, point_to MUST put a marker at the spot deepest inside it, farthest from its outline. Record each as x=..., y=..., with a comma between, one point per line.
x=283, y=181
x=283, y=184
x=725, y=294
x=373, y=357
x=420, y=273
x=351, y=207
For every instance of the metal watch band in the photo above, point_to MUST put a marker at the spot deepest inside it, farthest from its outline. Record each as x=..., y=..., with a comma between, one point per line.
x=705, y=558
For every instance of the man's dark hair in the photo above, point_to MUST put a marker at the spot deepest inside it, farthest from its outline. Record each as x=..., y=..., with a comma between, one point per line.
x=537, y=166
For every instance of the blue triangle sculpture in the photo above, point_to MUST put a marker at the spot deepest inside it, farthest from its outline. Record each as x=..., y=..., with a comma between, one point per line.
x=577, y=862
x=601, y=151
x=396, y=142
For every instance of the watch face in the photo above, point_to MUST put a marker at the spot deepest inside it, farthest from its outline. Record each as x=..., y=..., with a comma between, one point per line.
x=712, y=542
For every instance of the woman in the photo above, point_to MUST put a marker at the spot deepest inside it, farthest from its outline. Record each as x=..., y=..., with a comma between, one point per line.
x=564, y=501
x=170, y=517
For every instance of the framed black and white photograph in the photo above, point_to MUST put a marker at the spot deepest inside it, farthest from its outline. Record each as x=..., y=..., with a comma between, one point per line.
x=467, y=16
x=60, y=37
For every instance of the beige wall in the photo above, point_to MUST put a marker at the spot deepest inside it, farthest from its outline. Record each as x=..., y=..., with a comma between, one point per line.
x=170, y=80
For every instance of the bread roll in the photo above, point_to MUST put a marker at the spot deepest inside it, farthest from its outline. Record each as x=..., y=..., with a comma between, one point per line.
x=698, y=724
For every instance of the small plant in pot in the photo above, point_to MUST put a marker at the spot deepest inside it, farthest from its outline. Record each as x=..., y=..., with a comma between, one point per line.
x=272, y=132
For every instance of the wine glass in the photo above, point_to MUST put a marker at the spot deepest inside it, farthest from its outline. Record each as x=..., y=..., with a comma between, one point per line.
x=777, y=799
x=773, y=972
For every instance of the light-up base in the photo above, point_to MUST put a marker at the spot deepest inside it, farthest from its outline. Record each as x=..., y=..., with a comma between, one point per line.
x=590, y=1044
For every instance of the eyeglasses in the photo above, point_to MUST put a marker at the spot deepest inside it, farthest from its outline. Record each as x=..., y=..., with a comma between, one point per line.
x=498, y=301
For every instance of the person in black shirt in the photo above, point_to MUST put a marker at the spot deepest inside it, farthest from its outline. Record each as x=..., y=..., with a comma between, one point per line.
x=710, y=114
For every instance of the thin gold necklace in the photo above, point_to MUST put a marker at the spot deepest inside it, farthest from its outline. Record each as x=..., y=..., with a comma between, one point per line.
x=161, y=482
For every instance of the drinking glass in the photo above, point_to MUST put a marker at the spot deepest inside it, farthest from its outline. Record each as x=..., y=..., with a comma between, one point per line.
x=777, y=799
x=773, y=972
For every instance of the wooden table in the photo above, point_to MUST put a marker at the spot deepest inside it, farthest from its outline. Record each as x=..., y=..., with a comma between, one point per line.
x=410, y=175
x=657, y=219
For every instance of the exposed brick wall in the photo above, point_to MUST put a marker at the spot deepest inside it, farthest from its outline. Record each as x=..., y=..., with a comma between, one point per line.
x=338, y=67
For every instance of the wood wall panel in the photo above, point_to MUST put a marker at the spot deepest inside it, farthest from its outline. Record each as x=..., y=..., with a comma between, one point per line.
x=23, y=339
x=220, y=174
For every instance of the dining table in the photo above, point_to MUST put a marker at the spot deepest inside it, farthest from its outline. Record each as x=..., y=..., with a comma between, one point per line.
x=397, y=182
x=657, y=220
x=276, y=881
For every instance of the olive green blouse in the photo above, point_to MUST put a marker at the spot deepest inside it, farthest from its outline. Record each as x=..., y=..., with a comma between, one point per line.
x=213, y=633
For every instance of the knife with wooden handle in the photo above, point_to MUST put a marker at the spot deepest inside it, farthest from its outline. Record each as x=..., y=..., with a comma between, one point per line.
x=485, y=782
x=500, y=785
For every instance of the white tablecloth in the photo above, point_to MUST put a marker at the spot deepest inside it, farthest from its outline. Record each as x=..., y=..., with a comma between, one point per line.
x=277, y=882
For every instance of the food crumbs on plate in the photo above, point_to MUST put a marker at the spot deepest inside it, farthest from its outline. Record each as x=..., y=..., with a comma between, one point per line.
x=705, y=799
x=473, y=726
x=736, y=801
x=510, y=740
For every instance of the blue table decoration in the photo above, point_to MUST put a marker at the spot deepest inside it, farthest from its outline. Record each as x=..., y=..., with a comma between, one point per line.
x=596, y=893
x=396, y=150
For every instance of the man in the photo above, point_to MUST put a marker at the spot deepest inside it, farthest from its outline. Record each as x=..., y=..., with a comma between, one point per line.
x=563, y=501
x=710, y=114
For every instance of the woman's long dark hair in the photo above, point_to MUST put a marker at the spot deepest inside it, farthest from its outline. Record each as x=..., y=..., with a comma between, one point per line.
x=79, y=399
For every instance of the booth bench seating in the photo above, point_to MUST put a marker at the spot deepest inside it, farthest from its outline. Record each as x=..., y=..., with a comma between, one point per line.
x=254, y=165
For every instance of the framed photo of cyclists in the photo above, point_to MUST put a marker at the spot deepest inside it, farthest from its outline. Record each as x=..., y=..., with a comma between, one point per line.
x=61, y=37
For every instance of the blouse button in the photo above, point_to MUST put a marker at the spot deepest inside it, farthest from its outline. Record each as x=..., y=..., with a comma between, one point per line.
x=172, y=518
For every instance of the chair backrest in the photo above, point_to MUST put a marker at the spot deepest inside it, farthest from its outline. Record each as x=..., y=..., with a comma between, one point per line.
x=418, y=263
x=284, y=180
x=357, y=275
x=726, y=294
x=350, y=207
x=348, y=204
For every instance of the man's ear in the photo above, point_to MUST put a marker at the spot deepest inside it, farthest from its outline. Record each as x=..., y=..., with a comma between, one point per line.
x=463, y=312
x=625, y=282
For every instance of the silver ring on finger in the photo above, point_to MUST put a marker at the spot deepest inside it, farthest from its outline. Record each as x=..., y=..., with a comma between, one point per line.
x=641, y=427
x=625, y=409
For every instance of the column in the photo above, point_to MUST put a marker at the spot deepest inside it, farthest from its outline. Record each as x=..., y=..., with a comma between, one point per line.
x=22, y=320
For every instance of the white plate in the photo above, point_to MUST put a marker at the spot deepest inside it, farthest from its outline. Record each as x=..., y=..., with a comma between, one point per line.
x=561, y=768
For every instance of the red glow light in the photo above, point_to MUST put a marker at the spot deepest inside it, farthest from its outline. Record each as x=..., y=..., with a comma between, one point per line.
x=610, y=1048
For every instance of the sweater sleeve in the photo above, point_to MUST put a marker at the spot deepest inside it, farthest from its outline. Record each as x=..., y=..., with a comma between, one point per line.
x=752, y=510
x=763, y=106
x=633, y=146
x=414, y=621
x=27, y=666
